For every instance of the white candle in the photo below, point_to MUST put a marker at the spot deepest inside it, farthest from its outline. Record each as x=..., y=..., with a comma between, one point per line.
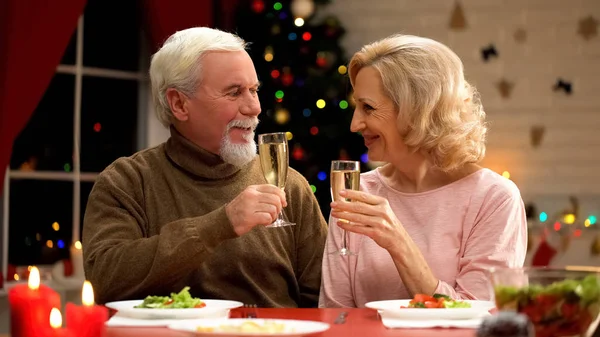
x=77, y=260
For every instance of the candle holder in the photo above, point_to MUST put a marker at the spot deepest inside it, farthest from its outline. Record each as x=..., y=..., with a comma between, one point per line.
x=30, y=306
x=88, y=319
x=56, y=329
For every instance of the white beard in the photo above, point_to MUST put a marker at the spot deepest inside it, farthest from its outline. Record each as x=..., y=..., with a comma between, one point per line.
x=239, y=154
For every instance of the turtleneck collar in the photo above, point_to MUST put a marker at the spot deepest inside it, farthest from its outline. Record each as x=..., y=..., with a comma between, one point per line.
x=195, y=159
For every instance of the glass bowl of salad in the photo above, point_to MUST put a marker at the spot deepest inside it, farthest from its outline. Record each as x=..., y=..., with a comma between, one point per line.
x=559, y=302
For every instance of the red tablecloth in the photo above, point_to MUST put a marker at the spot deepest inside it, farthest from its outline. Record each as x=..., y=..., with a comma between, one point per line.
x=360, y=322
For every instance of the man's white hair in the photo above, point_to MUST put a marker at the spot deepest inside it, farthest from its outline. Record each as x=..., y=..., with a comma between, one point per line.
x=178, y=64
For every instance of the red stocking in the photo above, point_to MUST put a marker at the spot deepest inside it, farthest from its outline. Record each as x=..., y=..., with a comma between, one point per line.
x=543, y=255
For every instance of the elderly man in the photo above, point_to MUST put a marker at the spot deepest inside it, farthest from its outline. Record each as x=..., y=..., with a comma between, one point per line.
x=192, y=211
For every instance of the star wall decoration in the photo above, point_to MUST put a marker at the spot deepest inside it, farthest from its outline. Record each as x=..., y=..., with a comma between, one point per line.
x=588, y=27
x=536, y=134
x=457, y=20
x=488, y=52
x=562, y=85
x=520, y=35
x=505, y=88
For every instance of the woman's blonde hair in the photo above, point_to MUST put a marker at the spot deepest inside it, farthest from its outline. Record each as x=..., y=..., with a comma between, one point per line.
x=440, y=113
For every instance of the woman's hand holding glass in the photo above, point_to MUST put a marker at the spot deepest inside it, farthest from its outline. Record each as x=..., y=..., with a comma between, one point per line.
x=345, y=174
x=369, y=215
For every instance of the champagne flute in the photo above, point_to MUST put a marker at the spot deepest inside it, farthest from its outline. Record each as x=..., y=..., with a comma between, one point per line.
x=274, y=161
x=345, y=175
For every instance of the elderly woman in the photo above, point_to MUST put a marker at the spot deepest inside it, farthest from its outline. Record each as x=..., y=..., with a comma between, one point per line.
x=431, y=220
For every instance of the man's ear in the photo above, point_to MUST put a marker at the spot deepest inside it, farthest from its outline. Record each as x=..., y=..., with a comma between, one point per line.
x=177, y=103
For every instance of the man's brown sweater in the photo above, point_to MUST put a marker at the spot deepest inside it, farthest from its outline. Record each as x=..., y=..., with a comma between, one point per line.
x=155, y=222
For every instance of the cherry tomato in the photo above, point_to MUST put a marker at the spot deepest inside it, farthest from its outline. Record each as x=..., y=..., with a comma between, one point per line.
x=534, y=313
x=569, y=310
x=423, y=298
x=432, y=304
x=546, y=300
x=200, y=305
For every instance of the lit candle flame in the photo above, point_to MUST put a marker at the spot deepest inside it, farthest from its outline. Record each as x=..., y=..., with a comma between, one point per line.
x=77, y=245
x=87, y=294
x=34, y=279
x=55, y=318
x=16, y=277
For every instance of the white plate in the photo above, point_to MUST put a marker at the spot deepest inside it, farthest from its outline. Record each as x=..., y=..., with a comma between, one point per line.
x=213, y=308
x=392, y=309
x=291, y=327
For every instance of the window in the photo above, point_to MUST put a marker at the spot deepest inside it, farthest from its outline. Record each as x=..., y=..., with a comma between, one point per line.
x=92, y=113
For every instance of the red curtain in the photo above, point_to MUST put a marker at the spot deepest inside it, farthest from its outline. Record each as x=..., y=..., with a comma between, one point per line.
x=227, y=14
x=35, y=33
x=33, y=37
x=165, y=17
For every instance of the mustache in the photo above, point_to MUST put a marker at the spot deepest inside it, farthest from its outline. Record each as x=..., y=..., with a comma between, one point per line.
x=251, y=123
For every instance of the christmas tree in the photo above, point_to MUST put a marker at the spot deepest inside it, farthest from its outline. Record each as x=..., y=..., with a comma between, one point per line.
x=305, y=90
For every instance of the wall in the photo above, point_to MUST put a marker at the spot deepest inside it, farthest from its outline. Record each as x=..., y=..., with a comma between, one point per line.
x=565, y=161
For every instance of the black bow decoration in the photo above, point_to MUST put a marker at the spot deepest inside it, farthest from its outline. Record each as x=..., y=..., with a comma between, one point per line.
x=488, y=52
x=565, y=86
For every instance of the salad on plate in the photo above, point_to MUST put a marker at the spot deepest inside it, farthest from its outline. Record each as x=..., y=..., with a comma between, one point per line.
x=437, y=301
x=181, y=300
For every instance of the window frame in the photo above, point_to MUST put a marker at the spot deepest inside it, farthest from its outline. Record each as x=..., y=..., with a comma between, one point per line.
x=76, y=175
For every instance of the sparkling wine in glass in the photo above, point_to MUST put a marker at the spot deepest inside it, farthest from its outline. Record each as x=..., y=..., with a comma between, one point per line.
x=274, y=161
x=345, y=175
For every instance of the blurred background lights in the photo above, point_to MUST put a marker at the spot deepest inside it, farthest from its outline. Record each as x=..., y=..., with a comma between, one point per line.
x=364, y=158
x=282, y=116
x=569, y=219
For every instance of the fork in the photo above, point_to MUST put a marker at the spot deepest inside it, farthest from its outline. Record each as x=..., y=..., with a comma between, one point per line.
x=250, y=311
x=341, y=319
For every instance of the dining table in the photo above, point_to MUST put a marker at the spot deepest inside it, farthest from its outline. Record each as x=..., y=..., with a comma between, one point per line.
x=359, y=322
